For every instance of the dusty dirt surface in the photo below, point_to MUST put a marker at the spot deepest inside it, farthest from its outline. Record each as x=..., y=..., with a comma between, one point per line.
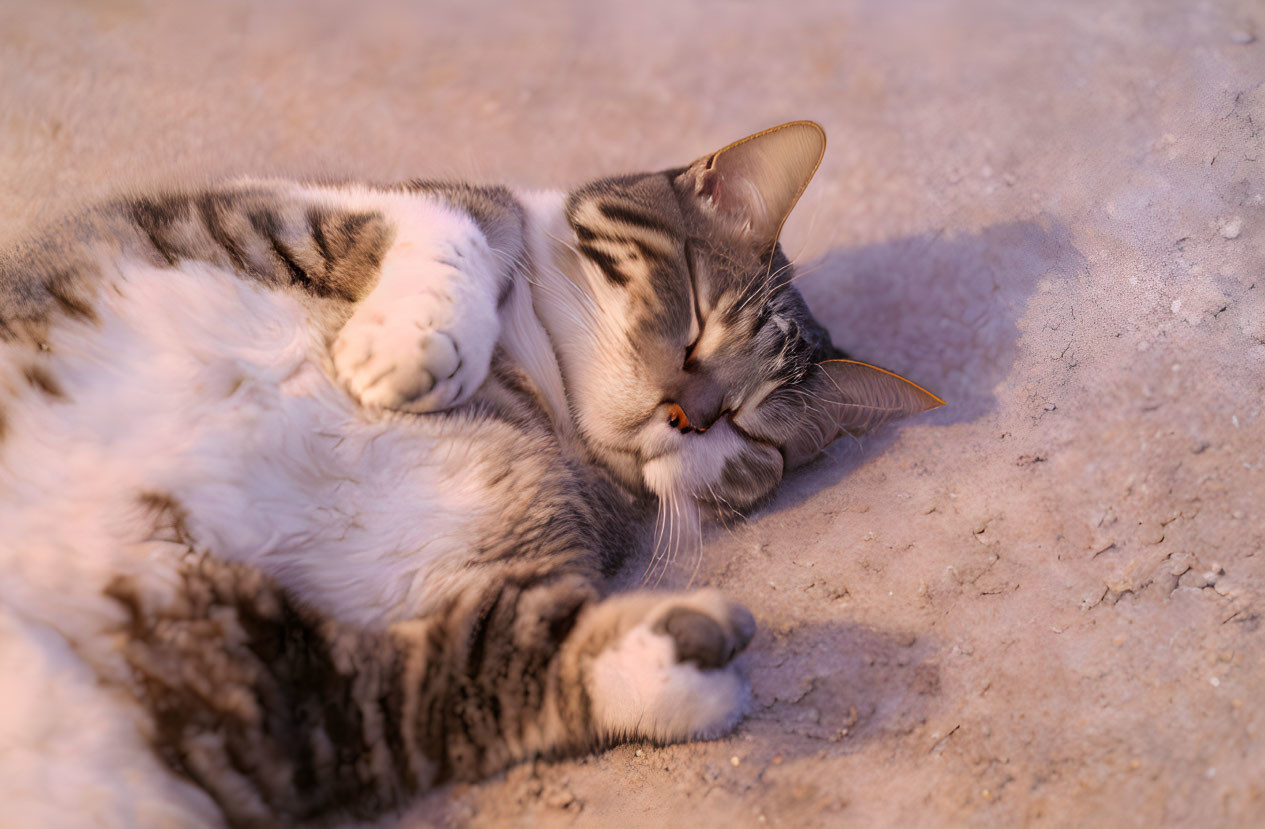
x=1040, y=605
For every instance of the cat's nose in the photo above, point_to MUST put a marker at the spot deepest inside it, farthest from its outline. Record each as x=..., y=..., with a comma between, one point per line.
x=678, y=419
x=697, y=407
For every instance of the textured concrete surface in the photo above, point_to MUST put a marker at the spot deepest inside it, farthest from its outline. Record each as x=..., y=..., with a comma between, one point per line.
x=1040, y=605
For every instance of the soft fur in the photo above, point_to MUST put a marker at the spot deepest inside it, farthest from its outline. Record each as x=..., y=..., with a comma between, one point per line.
x=308, y=493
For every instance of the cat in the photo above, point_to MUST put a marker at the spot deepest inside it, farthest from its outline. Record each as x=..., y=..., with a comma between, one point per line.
x=309, y=495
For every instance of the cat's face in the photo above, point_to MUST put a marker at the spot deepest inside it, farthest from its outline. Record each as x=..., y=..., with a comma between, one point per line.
x=688, y=353
x=692, y=365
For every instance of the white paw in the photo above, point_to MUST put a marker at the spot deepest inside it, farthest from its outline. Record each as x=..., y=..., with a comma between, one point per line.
x=671, y=676
x=423, y=341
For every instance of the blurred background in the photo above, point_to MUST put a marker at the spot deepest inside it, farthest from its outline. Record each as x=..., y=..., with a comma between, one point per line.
x=1048, y=212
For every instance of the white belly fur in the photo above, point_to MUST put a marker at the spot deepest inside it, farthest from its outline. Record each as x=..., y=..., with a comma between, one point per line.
x=215, y=391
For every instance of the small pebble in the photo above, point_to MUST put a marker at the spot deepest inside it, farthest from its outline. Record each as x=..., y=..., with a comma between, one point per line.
x=1242, y=37
x=734, y=761
x=1215, y=681
x=1151, y=532
x=1231, y=227
x=559, y=799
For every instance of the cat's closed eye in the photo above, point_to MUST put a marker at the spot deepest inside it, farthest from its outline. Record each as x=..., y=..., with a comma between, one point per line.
x=689, y=352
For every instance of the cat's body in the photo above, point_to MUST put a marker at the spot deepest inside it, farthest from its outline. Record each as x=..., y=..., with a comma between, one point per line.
x=308, y=494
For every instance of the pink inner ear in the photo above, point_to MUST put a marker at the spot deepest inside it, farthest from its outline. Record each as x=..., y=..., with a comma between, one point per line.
x=933, y=401
x=710, y=187
x=863, y=397
x=755, y=182
x=855, y=398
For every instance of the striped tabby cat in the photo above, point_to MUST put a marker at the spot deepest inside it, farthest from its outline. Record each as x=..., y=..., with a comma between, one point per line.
x=308, y=494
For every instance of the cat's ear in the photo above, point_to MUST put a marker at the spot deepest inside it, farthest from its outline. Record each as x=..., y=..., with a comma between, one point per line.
x=846, y=397
x=749, y=187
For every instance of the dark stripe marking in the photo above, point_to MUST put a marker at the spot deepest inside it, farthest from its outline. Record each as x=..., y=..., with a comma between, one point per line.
x=586, y=234
x=72, y=305
x=604, y=261
x=316, y=225
x=153, y=220
x=636, y=218
x=209, y=212
x=39, y=378
x=391, y=705
x=267, y=225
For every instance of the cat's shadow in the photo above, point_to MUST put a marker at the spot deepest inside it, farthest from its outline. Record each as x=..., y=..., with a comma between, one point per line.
x=941, y=309
x=829, y=687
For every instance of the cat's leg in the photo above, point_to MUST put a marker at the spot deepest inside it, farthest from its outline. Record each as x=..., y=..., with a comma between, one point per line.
x=282, y=715
x=422, y=340
x=278, y=714
x=543, y=667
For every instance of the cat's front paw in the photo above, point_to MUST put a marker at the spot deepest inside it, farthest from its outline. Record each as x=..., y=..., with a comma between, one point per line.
x=671, y=676
x=421, y=352
x=397, y=358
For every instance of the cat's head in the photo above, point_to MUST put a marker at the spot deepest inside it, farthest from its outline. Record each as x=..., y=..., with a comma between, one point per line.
x=692, y=365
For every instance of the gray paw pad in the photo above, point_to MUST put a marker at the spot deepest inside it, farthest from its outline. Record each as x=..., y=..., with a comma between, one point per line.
x=704, y=641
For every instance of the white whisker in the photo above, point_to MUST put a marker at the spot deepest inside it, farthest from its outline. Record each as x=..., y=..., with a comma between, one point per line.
x=660, y=524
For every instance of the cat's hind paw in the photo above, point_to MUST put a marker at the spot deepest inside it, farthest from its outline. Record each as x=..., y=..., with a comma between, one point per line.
x=671, y=676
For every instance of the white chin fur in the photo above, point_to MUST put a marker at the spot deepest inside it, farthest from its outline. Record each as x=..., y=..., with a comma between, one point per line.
x=696, y=466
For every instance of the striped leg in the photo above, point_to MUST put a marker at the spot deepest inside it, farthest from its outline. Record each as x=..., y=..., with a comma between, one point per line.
x=282, y=717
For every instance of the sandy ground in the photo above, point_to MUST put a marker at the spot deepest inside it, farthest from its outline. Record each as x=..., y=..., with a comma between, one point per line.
x=1040, y=605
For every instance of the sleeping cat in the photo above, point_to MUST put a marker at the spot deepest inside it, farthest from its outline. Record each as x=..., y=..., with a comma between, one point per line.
x=309, y=494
